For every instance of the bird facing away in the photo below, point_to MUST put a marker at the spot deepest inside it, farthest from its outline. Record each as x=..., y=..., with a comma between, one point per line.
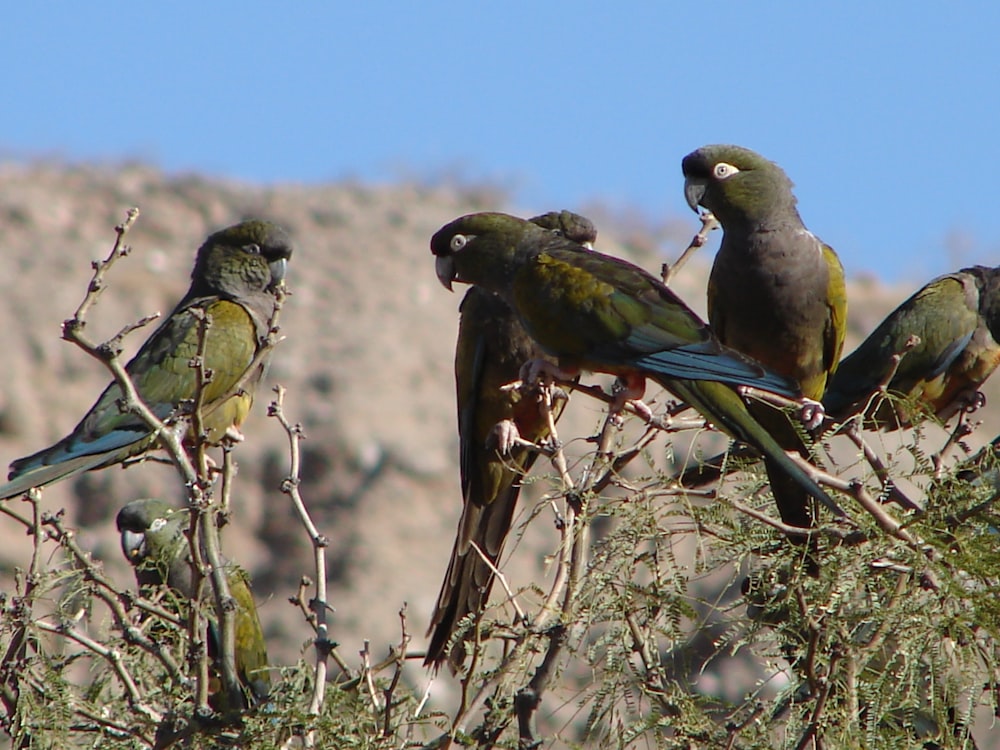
x=234, y=283
x=594, y=312
x=776, y=292
x=154, y=541
x=957, y=318
x=492, y=346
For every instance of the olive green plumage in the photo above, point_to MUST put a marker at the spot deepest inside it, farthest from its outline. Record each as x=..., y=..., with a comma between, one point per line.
x=776, y=292
x=957, y=319
x=492, y=346
x=595, y=312
x=154, y=541
x=234, y=282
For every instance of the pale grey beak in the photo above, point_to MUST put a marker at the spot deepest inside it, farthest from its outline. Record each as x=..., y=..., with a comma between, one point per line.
x=444, y=267
x=278, y=268
x=133, y=545
x=694, y=191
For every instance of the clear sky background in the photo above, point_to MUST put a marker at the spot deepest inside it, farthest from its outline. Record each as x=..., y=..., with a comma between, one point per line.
x=885, y=114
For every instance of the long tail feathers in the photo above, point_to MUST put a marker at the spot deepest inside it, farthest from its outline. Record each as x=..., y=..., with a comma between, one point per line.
x=43, y=474
x=724, y=408
x=467, y=584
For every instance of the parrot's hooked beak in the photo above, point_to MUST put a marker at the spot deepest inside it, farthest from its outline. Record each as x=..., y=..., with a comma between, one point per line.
x=444, y=267
x=133, y=545
x=694, y=191
x=278, y=268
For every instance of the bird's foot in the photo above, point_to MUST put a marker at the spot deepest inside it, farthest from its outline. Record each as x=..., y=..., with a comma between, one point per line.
x=811, y=413
x=234, y=435
x=628, y=390
x=503, y=436
x=537, y=370
x=642, y=409
x=559, y=394
x=974, y=401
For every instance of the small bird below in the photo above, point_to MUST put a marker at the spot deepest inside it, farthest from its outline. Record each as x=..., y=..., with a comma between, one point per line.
x=154, y=541
x=234, y=284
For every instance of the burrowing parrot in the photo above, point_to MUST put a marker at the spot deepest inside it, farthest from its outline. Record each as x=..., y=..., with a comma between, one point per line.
x=776, y=292
x=595, y=312
x=234, y=283
x=492, y=346
x=957, y=318
x=153, y=540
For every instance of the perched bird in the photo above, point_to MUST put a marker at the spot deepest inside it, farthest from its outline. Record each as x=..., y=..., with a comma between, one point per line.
x=595, y=312
x=153, y=540
x=776, y=292
x=234, y=283
x=492, y=346
x=957, y=318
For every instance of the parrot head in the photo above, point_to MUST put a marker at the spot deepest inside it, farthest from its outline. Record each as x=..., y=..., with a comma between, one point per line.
x=242, y=259
x=989, y=300
x=736, y=184
x=572, y=226
x=479, y=249
x=152, y=535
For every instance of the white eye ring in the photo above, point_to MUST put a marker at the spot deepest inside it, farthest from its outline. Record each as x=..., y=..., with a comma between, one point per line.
x=458, y=242
x=157, y=524
x=253, y=248
x=723, y=170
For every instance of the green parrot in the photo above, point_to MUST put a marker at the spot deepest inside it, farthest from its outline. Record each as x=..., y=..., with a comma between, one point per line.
x=154, y=541
x=492, y=346
x=776, y=292
x=957, y=317
x=234, y=282
x=595, y=312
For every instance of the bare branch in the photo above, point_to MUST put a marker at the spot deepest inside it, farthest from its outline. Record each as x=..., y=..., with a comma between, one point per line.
x=708, y=223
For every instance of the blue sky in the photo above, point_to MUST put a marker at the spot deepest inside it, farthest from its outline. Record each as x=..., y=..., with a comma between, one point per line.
x=884, y=114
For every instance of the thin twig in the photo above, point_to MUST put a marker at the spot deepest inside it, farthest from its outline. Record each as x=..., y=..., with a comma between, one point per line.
x=113, y=657
x=853, y=432
x=963, y=428
x=107, y=592
x=511, y=597
x=708, y=223
x=318, y=605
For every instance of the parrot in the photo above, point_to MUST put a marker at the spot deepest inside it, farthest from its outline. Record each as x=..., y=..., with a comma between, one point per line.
x=776, y=292
x=492, y=346
x=595, y=312
x=154, y=541
x=234, y=282
x=957, y=317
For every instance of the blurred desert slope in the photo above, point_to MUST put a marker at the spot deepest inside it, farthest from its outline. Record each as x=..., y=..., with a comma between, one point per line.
x=367, y=363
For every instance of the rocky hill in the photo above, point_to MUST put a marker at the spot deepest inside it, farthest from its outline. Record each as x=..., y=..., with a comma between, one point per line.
x=367, y=363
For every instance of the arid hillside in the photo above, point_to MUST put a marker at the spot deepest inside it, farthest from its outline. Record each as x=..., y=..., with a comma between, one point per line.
x=367, y=363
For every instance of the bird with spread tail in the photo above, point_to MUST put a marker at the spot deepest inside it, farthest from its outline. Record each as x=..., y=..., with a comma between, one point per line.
x=599, y=313
x=776, y=293
x=154, y=541
x=491, y=349
x=957, y=320
x=234, y=285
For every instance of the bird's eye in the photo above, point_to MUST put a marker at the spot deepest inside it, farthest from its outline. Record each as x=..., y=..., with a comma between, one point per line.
x=253, y=248
x=158, y=524
x=458, y=242
x=723, y=170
